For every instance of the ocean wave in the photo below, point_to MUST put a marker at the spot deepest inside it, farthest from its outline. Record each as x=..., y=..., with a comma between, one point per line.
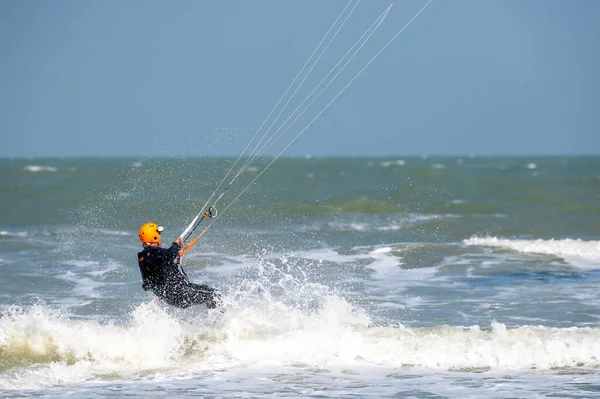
x=372, y=223
x=391, y=222
x=44, y=347
x=114, y=232
x=576, y=252
x=387, y=164
x=363, y=205
x=20, y=234
x=40, y=168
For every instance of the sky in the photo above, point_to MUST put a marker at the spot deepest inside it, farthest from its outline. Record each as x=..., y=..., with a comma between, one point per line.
x=198, y=78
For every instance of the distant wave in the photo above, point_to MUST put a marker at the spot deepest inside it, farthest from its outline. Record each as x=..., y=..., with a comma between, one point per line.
x=40, y=168
x=13, y=234
x=574, y=251
x=114, y=232
x=387, y=164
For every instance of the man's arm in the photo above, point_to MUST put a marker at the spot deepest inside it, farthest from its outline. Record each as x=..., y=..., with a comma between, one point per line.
x=174, y=249
x=167, y=255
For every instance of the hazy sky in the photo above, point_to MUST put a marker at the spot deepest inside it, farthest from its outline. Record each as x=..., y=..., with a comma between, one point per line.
x=145, y=77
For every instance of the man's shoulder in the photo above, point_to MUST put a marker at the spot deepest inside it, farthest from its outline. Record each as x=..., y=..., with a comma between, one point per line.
x=154, y=250
x=149, y=250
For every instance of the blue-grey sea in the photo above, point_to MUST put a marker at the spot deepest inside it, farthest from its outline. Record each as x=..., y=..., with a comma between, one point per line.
x=412, y=277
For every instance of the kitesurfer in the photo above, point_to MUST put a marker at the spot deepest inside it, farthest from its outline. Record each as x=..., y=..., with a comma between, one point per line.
x=163, y=275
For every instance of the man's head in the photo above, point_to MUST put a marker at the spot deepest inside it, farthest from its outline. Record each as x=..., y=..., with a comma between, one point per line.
x=150, y=234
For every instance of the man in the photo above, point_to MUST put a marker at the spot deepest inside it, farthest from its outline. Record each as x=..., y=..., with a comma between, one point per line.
x=162, y=274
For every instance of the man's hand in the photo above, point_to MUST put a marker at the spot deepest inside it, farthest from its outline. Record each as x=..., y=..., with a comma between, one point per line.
x=178, y=241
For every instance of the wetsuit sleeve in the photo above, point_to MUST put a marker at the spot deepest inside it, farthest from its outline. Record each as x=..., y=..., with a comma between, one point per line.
x=166, y=255
x=173, y=251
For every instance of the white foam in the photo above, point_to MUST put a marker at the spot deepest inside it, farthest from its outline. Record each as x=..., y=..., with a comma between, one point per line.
x=326, y=255
x=384, y=262
x=40, y=168
x=13, y=234
x=387, y=164
x=392, y=222
x=340, y=336
x=577, y=252
x=258, y=330
x=86, y=278
x=73, y=351
x=93, y=267
x=83, y=285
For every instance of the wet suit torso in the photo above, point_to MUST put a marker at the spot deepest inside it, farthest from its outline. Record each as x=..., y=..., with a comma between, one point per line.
x=162, y=275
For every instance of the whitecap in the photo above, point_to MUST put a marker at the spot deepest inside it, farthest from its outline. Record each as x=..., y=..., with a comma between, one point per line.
x=576, y=252
x=40, y=168
x=387, y=164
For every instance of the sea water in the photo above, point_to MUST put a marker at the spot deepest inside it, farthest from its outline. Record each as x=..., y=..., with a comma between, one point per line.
x=422, y=277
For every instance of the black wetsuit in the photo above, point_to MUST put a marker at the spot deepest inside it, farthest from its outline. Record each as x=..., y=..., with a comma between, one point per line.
x=162, y=275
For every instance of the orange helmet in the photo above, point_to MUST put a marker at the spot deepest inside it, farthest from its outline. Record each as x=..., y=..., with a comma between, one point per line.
x=150, y=232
